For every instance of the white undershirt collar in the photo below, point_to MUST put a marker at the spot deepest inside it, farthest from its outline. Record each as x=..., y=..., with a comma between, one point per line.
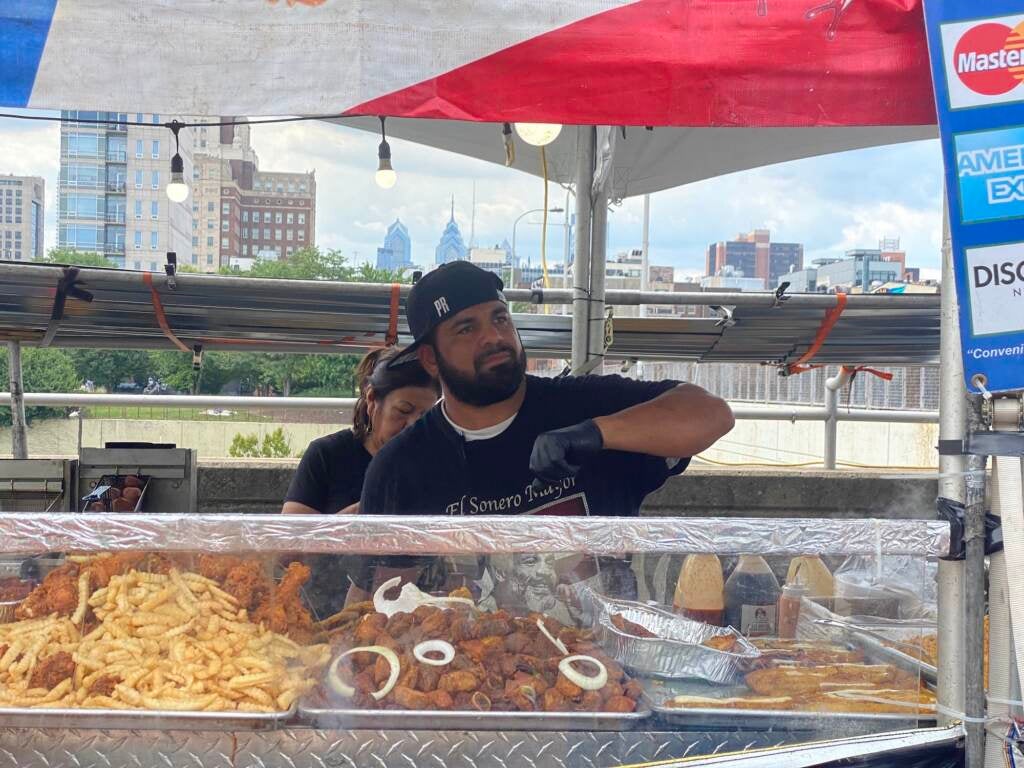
x=487, y=433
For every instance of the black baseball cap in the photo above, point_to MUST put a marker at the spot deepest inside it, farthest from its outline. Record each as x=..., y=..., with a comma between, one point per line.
x=442, y=294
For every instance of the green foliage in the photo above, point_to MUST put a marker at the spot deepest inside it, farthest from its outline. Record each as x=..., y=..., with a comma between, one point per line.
x=109, y=367
x=274, y=446
x=77, y=258
x=43, y=370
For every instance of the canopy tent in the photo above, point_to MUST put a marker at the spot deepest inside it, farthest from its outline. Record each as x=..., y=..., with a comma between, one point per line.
x=703, y=63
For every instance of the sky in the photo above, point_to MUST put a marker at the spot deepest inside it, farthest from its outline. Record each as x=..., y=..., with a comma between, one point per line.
x=830, y=203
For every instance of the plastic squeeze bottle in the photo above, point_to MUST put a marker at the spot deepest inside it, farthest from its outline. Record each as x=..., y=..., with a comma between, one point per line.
x=752, y=597
x=700, y=589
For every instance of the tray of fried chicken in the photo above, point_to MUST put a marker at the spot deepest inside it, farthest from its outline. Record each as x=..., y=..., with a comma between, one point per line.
x=657, y=643
x=147, y=640
x=795, y=680
x=440, y=663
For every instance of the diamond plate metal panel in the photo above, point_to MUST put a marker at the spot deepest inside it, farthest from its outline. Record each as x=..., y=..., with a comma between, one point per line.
x=306, y=748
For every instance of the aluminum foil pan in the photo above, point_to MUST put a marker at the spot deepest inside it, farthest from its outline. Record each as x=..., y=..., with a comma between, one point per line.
x=677, y=652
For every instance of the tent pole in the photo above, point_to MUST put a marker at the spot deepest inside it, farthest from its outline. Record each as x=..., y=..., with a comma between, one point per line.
x=19, y=434
x=586, y=141
x=952, y=426
x=598, y=264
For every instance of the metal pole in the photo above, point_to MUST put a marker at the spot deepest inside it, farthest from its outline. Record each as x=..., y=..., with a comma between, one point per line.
x=598, y=266
x=19, y=433
x=645, y=259
x=586, y=142
x=833, y=386
x=952, y=426
x=974, y=600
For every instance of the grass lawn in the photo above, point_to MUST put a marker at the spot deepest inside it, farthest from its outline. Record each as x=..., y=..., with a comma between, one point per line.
x=168, y=413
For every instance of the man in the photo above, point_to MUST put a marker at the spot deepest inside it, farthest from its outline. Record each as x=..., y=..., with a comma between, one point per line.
x=501, y=442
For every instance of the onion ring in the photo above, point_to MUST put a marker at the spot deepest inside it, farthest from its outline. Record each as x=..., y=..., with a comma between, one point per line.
x=554, y=640
x=446, y=649
x=343, y=689
x=595, y=683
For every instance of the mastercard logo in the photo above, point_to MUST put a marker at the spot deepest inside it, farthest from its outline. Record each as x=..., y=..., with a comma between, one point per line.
x=989, y=58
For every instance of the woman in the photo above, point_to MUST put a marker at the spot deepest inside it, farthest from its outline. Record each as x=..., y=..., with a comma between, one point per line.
x=329, y=479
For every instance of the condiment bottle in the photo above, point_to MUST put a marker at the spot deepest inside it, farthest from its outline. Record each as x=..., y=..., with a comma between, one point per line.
x=699, y=589
x=789, y=609
x=814, y=575
x=751, y=597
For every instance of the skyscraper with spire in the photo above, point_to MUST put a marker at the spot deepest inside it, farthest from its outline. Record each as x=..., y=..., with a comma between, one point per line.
x=451, y=247
x=397, y=250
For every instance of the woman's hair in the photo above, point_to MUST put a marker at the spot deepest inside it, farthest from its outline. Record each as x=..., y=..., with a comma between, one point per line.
x=373, y=374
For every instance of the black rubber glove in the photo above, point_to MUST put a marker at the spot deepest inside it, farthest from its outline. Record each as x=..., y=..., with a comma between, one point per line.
x=561, y=453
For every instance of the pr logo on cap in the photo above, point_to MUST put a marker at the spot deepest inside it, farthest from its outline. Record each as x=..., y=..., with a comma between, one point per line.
x=441, y=306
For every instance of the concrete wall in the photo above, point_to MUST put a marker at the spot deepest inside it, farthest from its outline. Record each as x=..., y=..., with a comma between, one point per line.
x=259, y=487
x=770, y=442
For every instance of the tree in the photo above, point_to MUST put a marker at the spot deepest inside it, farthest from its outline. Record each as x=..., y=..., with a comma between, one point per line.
x=304, y=264
x=109, y=367
x=76, y=258
x=42, y=370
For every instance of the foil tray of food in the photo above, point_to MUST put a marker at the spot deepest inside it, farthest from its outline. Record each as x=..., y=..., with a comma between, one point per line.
x=799, y=685
x=654, y=642
x=441, y=662
x=904, y=654
x=147, y=640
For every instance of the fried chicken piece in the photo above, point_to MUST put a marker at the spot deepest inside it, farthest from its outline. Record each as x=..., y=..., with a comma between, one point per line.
x=369, y=627
x=217, y=567
x=409, y=698
x=441, y=700
x=554, y=701
x=102, y=569
x=57, y=594
x=458, y=682
x=52, y=670
x=248, y=584
x=618, y=704
x=567, y=688
x=723, y=643
x=435, y=625
x=282, y=610
x=461, y=592
x=633, y=690
x=104, y=685
x=427, y=677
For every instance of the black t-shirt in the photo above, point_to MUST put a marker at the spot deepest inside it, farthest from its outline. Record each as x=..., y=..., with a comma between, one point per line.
x=330, y=475
x=429, y=469
x=330, y=478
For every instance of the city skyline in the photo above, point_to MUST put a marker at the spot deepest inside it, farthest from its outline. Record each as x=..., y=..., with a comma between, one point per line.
x=811, y=201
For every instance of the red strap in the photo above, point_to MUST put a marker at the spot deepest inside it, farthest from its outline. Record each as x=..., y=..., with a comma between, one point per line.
x=158, y=310
x=830, y=319
x=884, y=375
x=396, y=294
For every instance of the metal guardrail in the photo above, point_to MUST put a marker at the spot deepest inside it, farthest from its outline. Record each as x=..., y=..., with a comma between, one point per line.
x=829, y=415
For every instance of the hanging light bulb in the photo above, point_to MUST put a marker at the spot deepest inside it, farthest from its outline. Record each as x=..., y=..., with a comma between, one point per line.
x=385, y=176
x=538, y=134
x=177, y=189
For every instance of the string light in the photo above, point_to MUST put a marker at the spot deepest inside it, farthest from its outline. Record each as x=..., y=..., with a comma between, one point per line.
x=177, y=189
x=538, y=134
x=385, y=176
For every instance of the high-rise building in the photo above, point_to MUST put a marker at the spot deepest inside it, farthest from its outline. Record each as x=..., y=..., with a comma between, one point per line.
x=754, y=255
x=241, y=213
x=396, y=253
x=451, y=247
x=21, y=217
x=112, y=189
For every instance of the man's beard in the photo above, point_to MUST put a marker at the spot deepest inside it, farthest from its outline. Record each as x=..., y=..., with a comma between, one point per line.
x=485, y=387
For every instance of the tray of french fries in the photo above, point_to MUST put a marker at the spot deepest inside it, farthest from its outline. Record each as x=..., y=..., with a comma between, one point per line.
x=799, y=685
x=139, y=640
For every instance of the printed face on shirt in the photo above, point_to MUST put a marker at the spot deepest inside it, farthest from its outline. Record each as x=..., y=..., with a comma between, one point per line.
x=398, y=410
x=478, y=355
x=533, y=580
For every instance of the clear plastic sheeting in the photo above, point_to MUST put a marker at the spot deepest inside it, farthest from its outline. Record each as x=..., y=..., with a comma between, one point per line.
x=401, y=535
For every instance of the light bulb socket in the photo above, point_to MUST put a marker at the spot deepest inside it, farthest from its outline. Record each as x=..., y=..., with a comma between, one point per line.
x=177, y=168
x=384, y=154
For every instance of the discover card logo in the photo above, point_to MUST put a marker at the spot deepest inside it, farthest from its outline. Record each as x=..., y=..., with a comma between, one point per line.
x=990, y=173
x=996, y=280
x=984, y=61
